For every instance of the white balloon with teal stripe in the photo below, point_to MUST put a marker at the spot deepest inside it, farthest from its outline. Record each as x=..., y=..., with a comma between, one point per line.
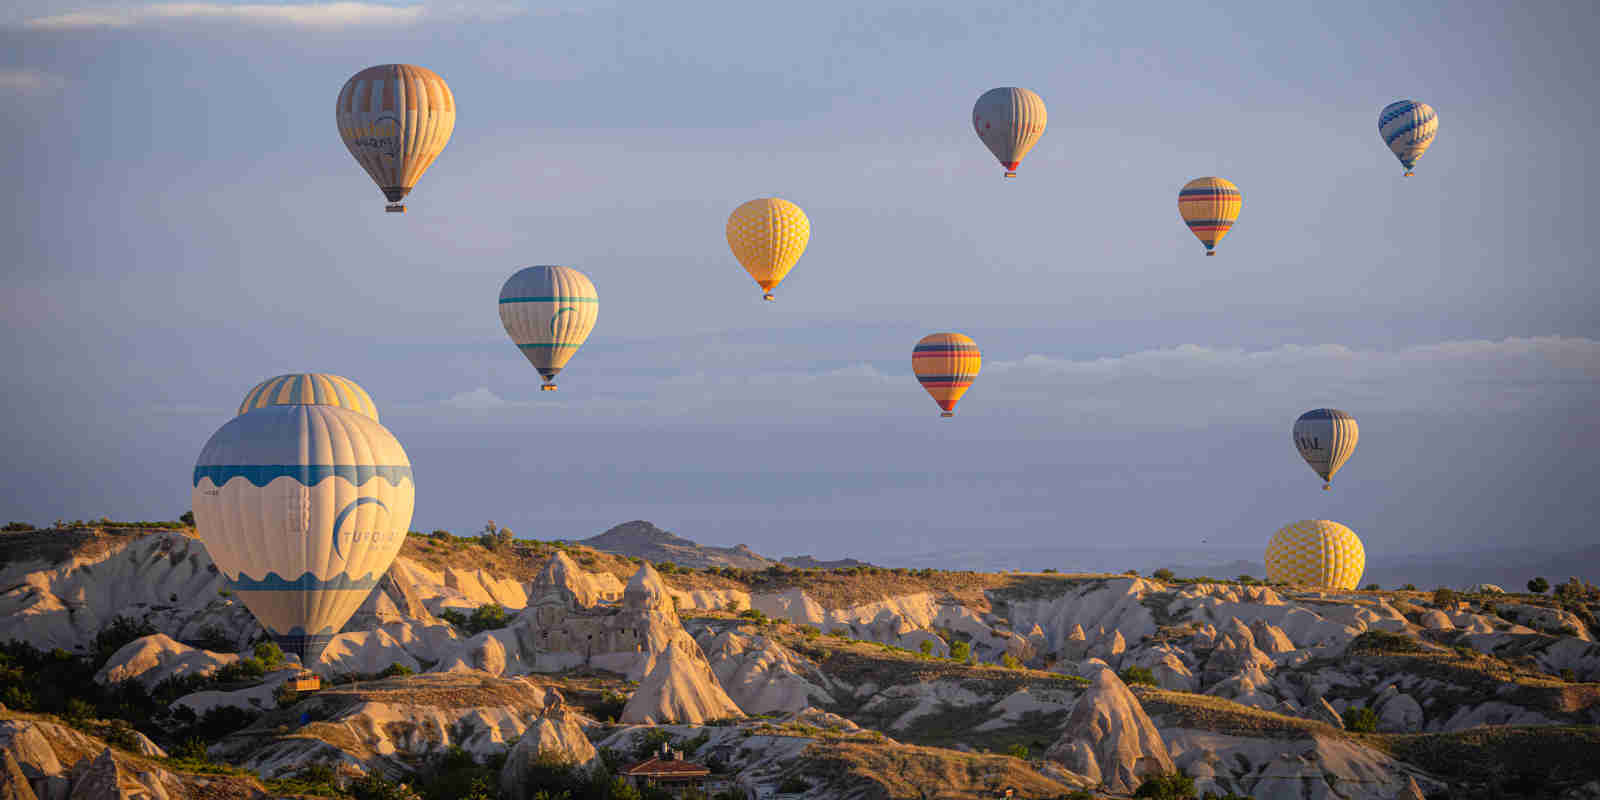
x=303, y=508
x=548, y=312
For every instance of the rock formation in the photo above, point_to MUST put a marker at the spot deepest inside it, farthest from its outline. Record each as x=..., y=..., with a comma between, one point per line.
x=555, y=736
x=1109, y=739
x=680, y=688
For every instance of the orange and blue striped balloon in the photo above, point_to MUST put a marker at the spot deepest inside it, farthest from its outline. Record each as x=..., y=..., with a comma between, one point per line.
x=1209, y=206
x=946, y=364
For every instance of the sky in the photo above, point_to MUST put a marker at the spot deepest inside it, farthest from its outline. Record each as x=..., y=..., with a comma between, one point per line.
x=187, y=223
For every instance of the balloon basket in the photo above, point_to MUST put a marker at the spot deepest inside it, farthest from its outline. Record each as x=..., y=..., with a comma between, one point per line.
x=1211, y=252
x=1327, y=487
x=767, y=297
x=1408, y=174
x=395, y=208
x=947, y=415
x=549, y=387
x=1011, y=174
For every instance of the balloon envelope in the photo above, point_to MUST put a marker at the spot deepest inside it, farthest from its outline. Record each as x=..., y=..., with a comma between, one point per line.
x=395, y=119
x=302, y=508
x=1010, y=121
x=548, y=312
x=945, y=365
x=1316, y=552
x=768, y=235
x=1325, y=438
x=310, y=388
x=1408, y=128
x=1209, y=206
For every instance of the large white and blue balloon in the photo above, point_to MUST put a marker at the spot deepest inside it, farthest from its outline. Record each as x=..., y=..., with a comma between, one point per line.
x=303, y=508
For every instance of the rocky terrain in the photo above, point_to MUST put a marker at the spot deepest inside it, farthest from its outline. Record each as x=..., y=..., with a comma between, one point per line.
x=477, y=671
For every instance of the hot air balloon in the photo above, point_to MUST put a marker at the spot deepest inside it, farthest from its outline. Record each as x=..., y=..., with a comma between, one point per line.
x=1209, y=207
x=302, y=508
x=1325, y=438
x=314, y=388
x=548, y=312
x=1316, y=552
x=1010, y=121
x=395, y=118
x=1407, y=127
x=945, y=364
x=768, y=235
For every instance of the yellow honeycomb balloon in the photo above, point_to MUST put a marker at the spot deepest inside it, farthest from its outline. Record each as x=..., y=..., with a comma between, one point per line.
x=768, y=235
x=1316, y=552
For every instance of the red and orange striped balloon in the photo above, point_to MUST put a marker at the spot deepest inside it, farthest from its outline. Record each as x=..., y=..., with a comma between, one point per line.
x=946, y=364
x=1210, y=206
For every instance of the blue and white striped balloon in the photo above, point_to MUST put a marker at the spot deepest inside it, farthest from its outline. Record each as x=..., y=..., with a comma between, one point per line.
x=1408, y=127
x=302, y=508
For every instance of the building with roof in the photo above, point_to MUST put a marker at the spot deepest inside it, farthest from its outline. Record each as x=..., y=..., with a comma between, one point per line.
x=668, y=770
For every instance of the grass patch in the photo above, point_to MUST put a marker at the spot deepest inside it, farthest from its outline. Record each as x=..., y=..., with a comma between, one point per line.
x=1505, y=762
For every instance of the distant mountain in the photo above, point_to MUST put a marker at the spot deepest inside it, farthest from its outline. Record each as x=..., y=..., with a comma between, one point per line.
x=642, y=539
x=807, y=562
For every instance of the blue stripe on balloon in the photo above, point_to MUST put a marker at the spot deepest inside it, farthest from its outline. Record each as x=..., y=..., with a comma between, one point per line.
x=306, y=582
x=549, y=300
x=307, y=474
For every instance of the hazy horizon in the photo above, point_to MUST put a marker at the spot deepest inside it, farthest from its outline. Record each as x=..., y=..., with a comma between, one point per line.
x=189, y=224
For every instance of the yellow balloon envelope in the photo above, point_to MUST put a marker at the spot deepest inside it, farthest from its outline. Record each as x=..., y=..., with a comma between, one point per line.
x=396, y=119
x=945, y=365
x=1010, y=121
x=310, y=388
x=768, y=235
x=1209, y=206
x=1316, y=552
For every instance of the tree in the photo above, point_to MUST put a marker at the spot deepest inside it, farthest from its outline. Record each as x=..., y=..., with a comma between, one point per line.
x=1018, y=751
x=487, y=618
x=1445, y=598
x=960, y=651
x=1360, y=719
x=1133, y=675
x=187, y=518
x=926, y=647
x=1163, y=574
x=1539, y=585
x=269, y=654
x=1010, y=661
x=1371, y=587
x=1171, y=786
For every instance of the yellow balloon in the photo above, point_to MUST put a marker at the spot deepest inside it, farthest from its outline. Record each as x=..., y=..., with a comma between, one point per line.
x=395, y=119
x=1210, y=206
x=1316, y=552
x=768, y=235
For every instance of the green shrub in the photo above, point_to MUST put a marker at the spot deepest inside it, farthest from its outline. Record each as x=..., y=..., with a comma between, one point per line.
x=1408, y=587
x=960, y=651
x=1371, y=587
x=1538, y=585
x=1445, y=598
x=1010, y=661
x=1163, y=574
x=1018, y=751
x=17, y=527
x=269, y=654
x=244, y=669
x=1137, y=675
x=1383, y=643
x=752, y=614
x=1171, y=786
x=926, y=647
x=396, y=670
x=1360, y=719
x=794, y=784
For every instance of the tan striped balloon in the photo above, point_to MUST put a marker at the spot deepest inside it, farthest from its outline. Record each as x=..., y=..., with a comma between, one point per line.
x=1326, y=437
x=395, y=118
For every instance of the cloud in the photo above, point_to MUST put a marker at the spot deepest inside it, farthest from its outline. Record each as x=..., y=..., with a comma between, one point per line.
x=1208, y=383
x=326, y=16
x=30, y=81
x=479, y=399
